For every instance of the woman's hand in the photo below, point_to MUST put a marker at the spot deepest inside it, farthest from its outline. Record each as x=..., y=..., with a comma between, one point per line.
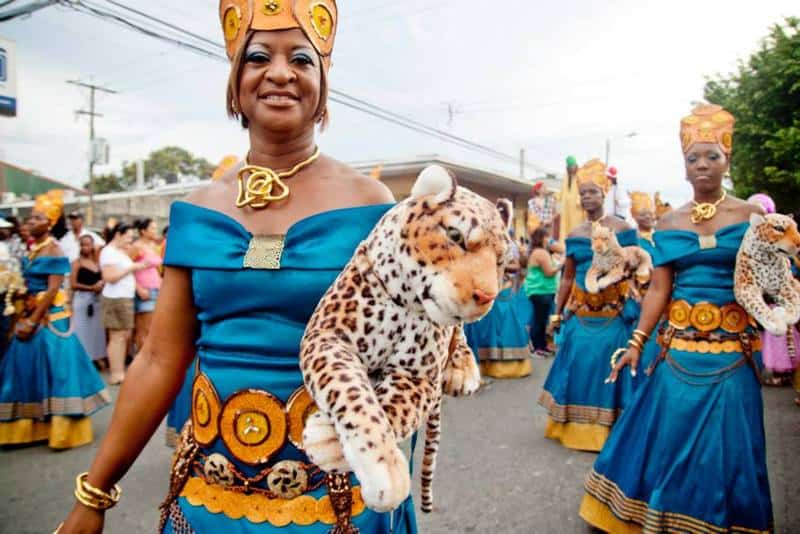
x=82, y=520
x=98, y=287
x=143, y=293
x=553, y=324
x=24, y=329
x=631, y=357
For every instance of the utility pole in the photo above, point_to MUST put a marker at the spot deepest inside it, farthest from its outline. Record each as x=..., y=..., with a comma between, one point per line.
x=92, y=114
x=522, y=163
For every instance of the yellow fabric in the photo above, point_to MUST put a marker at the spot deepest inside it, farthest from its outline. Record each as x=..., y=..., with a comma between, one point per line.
x=641, y=201
x=69, y=432
x=578, y=436
x=708, y=123
x=594, y=171
x=507, y=369
x=571, y=214
x=600, y=516
x=257, y=508
x=51, y=204
x=23, y=431
x=60, y=432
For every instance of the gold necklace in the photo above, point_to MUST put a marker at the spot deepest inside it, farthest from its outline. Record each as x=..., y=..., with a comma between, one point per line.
x=705, y=211
x=37, y=248
x=256, y=183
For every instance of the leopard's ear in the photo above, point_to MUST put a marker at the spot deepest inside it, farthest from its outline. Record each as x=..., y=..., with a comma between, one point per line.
x=756, y=219
x=435, y=180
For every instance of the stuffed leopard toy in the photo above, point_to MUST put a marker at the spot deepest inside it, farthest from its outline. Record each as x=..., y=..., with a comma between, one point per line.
x=612, y=263
x=762, y=267
x=385, y=341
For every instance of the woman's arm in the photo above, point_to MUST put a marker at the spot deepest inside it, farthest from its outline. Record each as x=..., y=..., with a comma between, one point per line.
x=567, y=280
x=161, y=365
x=113, y=273
x=546, y=264
x=653, y=306
x=27, y=326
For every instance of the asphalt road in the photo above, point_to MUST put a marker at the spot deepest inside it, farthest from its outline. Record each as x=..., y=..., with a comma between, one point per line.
x=496, y=473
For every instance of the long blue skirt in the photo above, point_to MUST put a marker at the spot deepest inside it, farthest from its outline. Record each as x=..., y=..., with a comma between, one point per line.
x=688, y=454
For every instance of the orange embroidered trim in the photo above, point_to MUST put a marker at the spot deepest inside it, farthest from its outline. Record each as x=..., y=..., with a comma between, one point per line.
x=573, y=413
x=303, y=510
x=609, y=495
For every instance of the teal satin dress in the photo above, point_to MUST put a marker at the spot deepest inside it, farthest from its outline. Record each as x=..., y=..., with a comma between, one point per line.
x=688, y=454
x=581, y=407
x=251, y=320
x=651, y=349
x=50, y=374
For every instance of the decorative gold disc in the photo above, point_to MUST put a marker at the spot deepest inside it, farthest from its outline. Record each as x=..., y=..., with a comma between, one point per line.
x=299, y=407
x=253, y=426
x=206, y=407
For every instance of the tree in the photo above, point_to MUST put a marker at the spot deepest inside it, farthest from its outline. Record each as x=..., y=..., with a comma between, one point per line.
x=108, y=183
x=167, y=163
x=764, y=96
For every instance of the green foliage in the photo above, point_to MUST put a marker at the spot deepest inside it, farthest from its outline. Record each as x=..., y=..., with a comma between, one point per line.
x=764, y=96
x=166, y=163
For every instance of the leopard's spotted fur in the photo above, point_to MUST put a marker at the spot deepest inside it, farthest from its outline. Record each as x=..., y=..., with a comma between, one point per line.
x=385, y=341
x=612, y=263
x=762, y=267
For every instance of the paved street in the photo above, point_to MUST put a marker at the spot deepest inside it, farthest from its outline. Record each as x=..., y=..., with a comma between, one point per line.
x=496, y=473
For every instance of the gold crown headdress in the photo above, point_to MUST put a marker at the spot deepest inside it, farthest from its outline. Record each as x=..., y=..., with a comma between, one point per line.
x=708, y=123
x=51, y=204
x=641, y=201
x=594, y=171
x=316, y=18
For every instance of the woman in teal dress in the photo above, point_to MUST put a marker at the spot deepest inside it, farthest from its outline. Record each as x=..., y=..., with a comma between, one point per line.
x=581, y=408
x=48, y=384
x=499, y=341
x=643, y=211
x=247, y=261
x=688, y=454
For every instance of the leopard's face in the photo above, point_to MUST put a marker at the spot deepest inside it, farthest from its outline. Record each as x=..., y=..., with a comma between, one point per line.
x=451, y=247
x=776, y=233
x=603, y=239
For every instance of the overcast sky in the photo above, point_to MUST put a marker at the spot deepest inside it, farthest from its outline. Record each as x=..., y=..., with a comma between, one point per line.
x=552, y=78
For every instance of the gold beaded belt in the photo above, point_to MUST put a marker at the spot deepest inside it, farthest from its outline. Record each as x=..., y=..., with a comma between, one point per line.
x=707, y=317
x=692, y=342
x=606, y=303
x=254, y=425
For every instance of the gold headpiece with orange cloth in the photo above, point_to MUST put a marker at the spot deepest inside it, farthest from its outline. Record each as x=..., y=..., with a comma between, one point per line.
x=641, y=201
x=594, y=171
x=51, y=204
x=316, y=18
x=708, y=123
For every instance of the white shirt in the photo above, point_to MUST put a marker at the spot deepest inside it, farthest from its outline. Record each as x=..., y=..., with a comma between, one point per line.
x=71, y=246
x=125, y=288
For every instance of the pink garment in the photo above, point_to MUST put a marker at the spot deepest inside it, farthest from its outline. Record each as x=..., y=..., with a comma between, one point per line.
x=149, y=278
x=775, y=351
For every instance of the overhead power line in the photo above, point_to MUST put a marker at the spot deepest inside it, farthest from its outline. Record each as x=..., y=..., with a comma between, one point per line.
x=159, y=28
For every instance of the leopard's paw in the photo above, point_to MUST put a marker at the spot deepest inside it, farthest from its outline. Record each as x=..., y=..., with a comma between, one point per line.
x=322, y=445
x=461, y=380
x=383, y=474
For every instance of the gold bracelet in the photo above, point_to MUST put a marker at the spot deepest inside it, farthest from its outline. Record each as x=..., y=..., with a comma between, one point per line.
x=644, y=336
x=615, y=356
x=635, y=343
x=555, y=317
x=93, y=497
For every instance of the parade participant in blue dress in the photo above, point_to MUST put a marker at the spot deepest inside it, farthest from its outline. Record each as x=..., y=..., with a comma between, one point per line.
x=688, y=453
x=643, y=211
x=48, y=385
x=248, y=259
x=580, y=406
x=499, y=340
